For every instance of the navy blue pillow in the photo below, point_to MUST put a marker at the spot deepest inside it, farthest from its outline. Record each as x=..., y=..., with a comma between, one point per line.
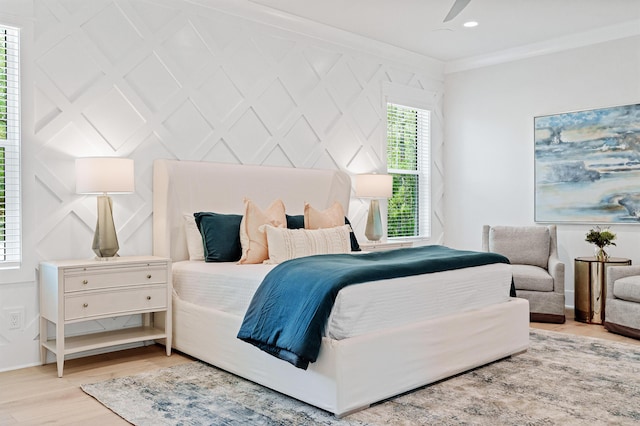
x=354, y=241
x=297, y=222
x=220, y=236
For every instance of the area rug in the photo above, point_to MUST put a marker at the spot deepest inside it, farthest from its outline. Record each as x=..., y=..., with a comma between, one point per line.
x=560, y=380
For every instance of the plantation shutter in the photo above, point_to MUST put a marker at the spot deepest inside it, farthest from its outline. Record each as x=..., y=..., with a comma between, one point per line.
x=408, y=159
x=10, y=252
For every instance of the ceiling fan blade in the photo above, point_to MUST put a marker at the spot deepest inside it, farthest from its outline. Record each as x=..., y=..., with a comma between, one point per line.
x=457, y=7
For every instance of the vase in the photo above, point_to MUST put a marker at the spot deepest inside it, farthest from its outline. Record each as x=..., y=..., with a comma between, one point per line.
x=601, y=255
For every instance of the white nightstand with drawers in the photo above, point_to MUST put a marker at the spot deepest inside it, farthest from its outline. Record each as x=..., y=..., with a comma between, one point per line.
x=82, y=290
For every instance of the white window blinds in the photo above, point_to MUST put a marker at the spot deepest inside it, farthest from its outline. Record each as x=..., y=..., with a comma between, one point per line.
x=408, y=159
x=10, y=252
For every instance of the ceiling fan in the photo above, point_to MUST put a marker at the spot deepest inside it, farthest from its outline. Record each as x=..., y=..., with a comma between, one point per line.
x=457, y=7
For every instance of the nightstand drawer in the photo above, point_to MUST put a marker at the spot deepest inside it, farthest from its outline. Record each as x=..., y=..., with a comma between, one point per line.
x=83, y=305
x=81, y=279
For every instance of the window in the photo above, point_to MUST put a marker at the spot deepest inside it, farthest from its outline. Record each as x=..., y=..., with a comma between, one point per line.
x=408, y=146
x=10, y=255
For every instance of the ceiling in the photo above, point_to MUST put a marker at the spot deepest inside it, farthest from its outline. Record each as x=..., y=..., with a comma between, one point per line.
x=416, y=25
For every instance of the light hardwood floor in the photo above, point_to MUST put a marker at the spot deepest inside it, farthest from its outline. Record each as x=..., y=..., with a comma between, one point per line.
x=36, y=396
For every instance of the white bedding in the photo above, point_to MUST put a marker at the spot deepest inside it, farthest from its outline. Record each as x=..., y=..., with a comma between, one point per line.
x=359, y=308
x=349, y=374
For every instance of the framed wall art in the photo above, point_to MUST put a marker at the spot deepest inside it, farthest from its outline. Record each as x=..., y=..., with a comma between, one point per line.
x=587, y=166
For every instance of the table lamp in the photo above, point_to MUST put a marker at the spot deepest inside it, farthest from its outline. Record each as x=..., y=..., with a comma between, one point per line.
x=374, y=186
x=104, y=175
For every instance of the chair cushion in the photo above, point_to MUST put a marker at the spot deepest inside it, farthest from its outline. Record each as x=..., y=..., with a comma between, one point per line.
x=534, y=278
x=522, y=245
x=627, y=288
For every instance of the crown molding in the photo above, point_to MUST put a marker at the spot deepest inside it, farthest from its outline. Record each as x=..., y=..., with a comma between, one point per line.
x=595, y=36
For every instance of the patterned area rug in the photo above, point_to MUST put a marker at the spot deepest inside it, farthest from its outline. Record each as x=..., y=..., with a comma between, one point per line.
x=560, y=380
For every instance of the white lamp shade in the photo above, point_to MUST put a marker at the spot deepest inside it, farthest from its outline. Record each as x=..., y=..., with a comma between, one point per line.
x=101, y=175
x=374, y=186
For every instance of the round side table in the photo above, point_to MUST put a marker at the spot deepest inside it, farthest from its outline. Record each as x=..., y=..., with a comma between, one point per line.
x=591, y=287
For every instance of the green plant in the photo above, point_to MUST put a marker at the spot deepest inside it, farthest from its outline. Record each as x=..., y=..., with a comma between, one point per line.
x=601, y=237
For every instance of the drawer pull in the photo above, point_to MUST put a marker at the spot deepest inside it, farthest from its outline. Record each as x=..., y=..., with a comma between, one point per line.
x=85, y=305
x=149, y=276
x=85, y=282
x=148, y=297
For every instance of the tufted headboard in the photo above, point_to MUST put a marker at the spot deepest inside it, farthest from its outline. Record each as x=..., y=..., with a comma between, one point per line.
x=185, y=187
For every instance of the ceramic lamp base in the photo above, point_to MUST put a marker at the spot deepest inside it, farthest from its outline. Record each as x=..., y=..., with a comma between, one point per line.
x=373, y=231
x=105, y=240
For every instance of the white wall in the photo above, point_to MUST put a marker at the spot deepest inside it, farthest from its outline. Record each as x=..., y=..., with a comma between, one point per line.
x=223, y=81
x=489, y=148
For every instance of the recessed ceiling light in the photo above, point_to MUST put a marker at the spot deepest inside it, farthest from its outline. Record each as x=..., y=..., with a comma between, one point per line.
x=470, y=24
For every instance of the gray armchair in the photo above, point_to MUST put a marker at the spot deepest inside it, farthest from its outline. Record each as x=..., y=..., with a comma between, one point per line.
x=538, y=273
x=622, y=301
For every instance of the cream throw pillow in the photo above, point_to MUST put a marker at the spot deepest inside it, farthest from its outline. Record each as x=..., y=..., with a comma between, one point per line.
x=195, y=247
x=252, y=239
x=285, y=244
x=329, y=218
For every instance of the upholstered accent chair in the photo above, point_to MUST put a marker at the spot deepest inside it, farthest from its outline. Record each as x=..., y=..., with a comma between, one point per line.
x=622, y=301
x=538, y=273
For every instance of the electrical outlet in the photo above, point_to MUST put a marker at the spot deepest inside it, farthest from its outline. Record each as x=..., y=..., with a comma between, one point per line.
x=15, y=318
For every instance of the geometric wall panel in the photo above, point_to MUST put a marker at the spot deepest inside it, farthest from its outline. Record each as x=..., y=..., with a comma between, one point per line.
x=114, y=118
x=153, y=82
x=247, y=65
x=344, y=86
x=366, y=116
x=188, y=51
x=69, y=68
x=248, y=135
x=154, y=14
x=177, y=79
x=298, y=76
x=301, y=143
x=321, y=60
x=188, y=128
x=112, y=33
x=322, y=111
x=274, y=105
x=221, y=95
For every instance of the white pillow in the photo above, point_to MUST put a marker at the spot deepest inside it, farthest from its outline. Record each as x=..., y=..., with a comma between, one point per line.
x=285, y=244
x=195, y=247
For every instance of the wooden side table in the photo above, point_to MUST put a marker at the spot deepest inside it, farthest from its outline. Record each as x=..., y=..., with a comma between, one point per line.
x=591, y=287
x=81, y=290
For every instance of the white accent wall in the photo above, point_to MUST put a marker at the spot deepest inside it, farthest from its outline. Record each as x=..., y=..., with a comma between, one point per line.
x=219, y=80
x=489, y=148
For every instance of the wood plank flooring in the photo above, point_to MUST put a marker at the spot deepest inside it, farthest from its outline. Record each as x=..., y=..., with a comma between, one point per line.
x=36, y=396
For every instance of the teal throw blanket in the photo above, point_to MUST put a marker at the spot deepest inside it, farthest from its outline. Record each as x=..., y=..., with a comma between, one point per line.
x=289, y=311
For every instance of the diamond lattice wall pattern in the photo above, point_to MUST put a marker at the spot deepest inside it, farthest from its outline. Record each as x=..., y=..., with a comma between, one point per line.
x=193, y=81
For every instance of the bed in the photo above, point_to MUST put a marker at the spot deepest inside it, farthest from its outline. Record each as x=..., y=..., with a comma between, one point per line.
x=460, y=326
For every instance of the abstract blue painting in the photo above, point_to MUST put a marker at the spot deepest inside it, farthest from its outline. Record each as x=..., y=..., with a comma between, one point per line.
x=587, y=166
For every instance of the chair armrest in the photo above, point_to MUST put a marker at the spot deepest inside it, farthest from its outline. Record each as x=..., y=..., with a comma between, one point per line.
x=556, y=270
x=615, y=273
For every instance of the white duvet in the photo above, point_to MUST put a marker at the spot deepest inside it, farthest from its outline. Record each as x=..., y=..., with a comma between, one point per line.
x=359, y=308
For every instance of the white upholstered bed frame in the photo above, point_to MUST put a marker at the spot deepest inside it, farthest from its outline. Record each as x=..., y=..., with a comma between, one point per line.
x=349, y=374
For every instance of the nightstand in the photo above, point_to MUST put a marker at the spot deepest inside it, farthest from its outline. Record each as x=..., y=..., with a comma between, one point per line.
x=83, y=290
x=384, y=245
